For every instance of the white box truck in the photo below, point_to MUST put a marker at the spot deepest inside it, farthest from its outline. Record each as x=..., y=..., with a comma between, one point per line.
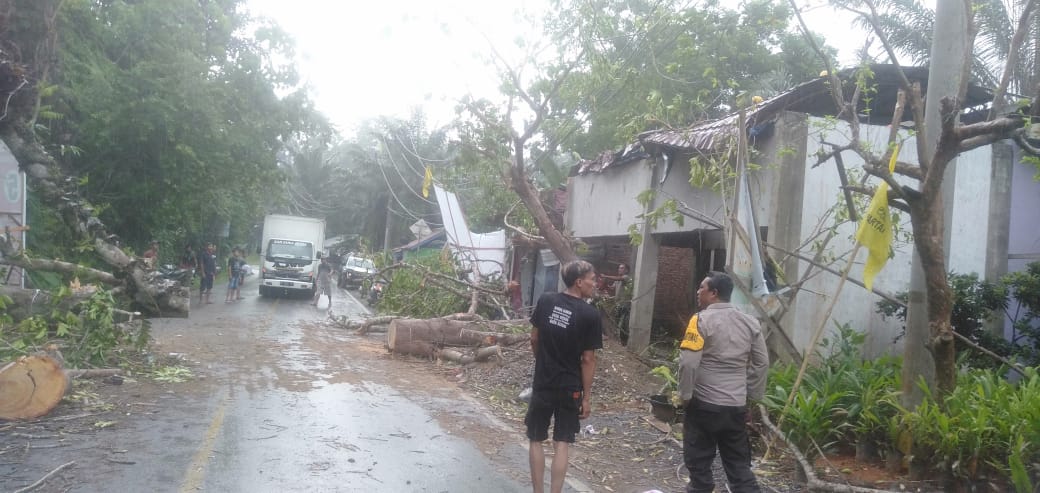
x=289, y=254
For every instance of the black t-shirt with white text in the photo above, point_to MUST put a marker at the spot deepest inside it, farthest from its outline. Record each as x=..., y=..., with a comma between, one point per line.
x=567, y=326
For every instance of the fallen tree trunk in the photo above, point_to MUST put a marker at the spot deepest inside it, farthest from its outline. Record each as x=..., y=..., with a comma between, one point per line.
x=363, y=326
x=29, y=302
x=416, y=348
x=441, y=332
x=155, y=296
x=94, y=372
x=468, y=357
x=31, y=386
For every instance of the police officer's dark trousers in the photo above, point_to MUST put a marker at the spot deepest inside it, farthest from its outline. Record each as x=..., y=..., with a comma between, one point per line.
x=707, y=427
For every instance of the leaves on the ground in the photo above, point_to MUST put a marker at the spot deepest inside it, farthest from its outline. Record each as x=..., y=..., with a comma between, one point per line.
x=172, y=374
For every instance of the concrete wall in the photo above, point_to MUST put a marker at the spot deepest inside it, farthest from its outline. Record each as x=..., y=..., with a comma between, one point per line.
x=792, y=198
x=855, y=305
x=1024, y=233
x=608, y=204
x=604, y=204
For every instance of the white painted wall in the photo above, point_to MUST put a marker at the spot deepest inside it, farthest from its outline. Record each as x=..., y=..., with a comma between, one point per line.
x=855, y=305
x=704, y=201
x=604, y=204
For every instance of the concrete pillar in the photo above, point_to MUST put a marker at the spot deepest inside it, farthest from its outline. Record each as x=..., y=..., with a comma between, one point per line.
x=999, y=234
x=644, y=277
x=641, y=317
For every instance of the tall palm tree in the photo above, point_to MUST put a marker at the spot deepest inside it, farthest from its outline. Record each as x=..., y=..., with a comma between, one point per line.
x=909, y=24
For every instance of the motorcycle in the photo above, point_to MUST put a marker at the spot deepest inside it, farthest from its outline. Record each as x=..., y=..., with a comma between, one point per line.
x=375, y=293
x=174, y=273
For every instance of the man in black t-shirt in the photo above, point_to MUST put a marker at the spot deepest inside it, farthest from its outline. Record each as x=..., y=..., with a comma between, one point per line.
x=565, y=335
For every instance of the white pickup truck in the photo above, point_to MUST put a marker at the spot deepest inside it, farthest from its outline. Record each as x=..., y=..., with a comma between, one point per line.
x=289, y=254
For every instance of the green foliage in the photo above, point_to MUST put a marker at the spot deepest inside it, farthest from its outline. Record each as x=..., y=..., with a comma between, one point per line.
x=666, y=373
x=1019, y=474
x=977, y=301
x=87, y=337
x=842, y=400
x=1024, y=288
x=665, y=64
x=987, y=426
x=169, y=135
x=411, y=293
x=172, y=374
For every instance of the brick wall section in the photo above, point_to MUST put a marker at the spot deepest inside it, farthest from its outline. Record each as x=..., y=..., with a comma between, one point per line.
x=674, y=305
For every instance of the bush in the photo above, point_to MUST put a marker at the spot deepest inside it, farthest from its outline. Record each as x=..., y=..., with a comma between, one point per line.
x=1016, y=295
x=987, y=427
x=86, y=337
x=841, y=401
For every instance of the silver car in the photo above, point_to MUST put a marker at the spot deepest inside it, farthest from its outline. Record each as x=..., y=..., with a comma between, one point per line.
x=355, y=270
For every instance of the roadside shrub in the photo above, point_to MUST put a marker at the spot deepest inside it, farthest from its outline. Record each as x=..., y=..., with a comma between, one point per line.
x=829, y=408
x=87, y=336
x=986, y=425
x=419, y=292
x=988, y=428
x=976, y=301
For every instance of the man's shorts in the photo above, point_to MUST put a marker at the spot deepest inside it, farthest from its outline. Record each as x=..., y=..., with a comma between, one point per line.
x=233, y=282
x=545, y=404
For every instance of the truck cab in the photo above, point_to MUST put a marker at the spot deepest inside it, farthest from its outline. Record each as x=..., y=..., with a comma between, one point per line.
x=290, y=251
x=288, y=266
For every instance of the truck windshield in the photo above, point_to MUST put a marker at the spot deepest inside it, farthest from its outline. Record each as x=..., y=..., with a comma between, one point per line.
x=290, y=249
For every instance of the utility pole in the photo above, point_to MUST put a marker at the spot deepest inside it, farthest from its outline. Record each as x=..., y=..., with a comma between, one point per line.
x=949, y=54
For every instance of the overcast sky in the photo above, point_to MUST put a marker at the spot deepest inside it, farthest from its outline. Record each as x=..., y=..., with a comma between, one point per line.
x=365, y=59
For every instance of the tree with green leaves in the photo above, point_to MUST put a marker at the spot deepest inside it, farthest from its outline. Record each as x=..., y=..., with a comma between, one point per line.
x=940, y=137
x=611, y=70
x=137, y=121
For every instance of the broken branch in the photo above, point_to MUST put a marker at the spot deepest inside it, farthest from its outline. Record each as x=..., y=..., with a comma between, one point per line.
x=45, y=478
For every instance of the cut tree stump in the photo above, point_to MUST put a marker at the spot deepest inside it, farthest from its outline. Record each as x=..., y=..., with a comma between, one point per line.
x=441, y=332
x=31, y=386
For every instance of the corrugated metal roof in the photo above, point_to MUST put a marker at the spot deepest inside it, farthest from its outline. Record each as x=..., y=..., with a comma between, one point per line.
x=812, y=97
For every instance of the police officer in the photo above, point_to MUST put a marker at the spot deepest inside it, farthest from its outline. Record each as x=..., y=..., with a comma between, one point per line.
x=722, y=363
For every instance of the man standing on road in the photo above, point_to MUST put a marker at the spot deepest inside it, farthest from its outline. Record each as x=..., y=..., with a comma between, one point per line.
x=722, y=364
x=324, y=282
x=565, y=335
x=208, y=263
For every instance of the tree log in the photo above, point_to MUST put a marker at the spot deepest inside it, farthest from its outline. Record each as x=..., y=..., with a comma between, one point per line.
x=94, y=372
x=364, y=326
x=466, y=358
x=31, y=386
x=441, y=333
x=29, y=302
x=154, y=295
x=416, y=348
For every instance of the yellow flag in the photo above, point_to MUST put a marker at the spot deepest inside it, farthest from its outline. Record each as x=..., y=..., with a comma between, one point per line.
x=875, y=230
x=427, y=180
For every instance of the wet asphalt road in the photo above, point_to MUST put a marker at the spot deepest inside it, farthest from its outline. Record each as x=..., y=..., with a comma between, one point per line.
x=288, y=404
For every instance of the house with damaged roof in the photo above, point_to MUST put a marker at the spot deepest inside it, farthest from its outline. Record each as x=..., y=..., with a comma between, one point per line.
x=799, y=206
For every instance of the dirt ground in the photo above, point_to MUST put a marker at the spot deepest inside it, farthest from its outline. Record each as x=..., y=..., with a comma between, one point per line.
x=622, y=449
x=628, y=450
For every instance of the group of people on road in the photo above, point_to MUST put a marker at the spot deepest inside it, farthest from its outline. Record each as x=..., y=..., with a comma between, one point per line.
x=722, y=369
x=204, y=264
